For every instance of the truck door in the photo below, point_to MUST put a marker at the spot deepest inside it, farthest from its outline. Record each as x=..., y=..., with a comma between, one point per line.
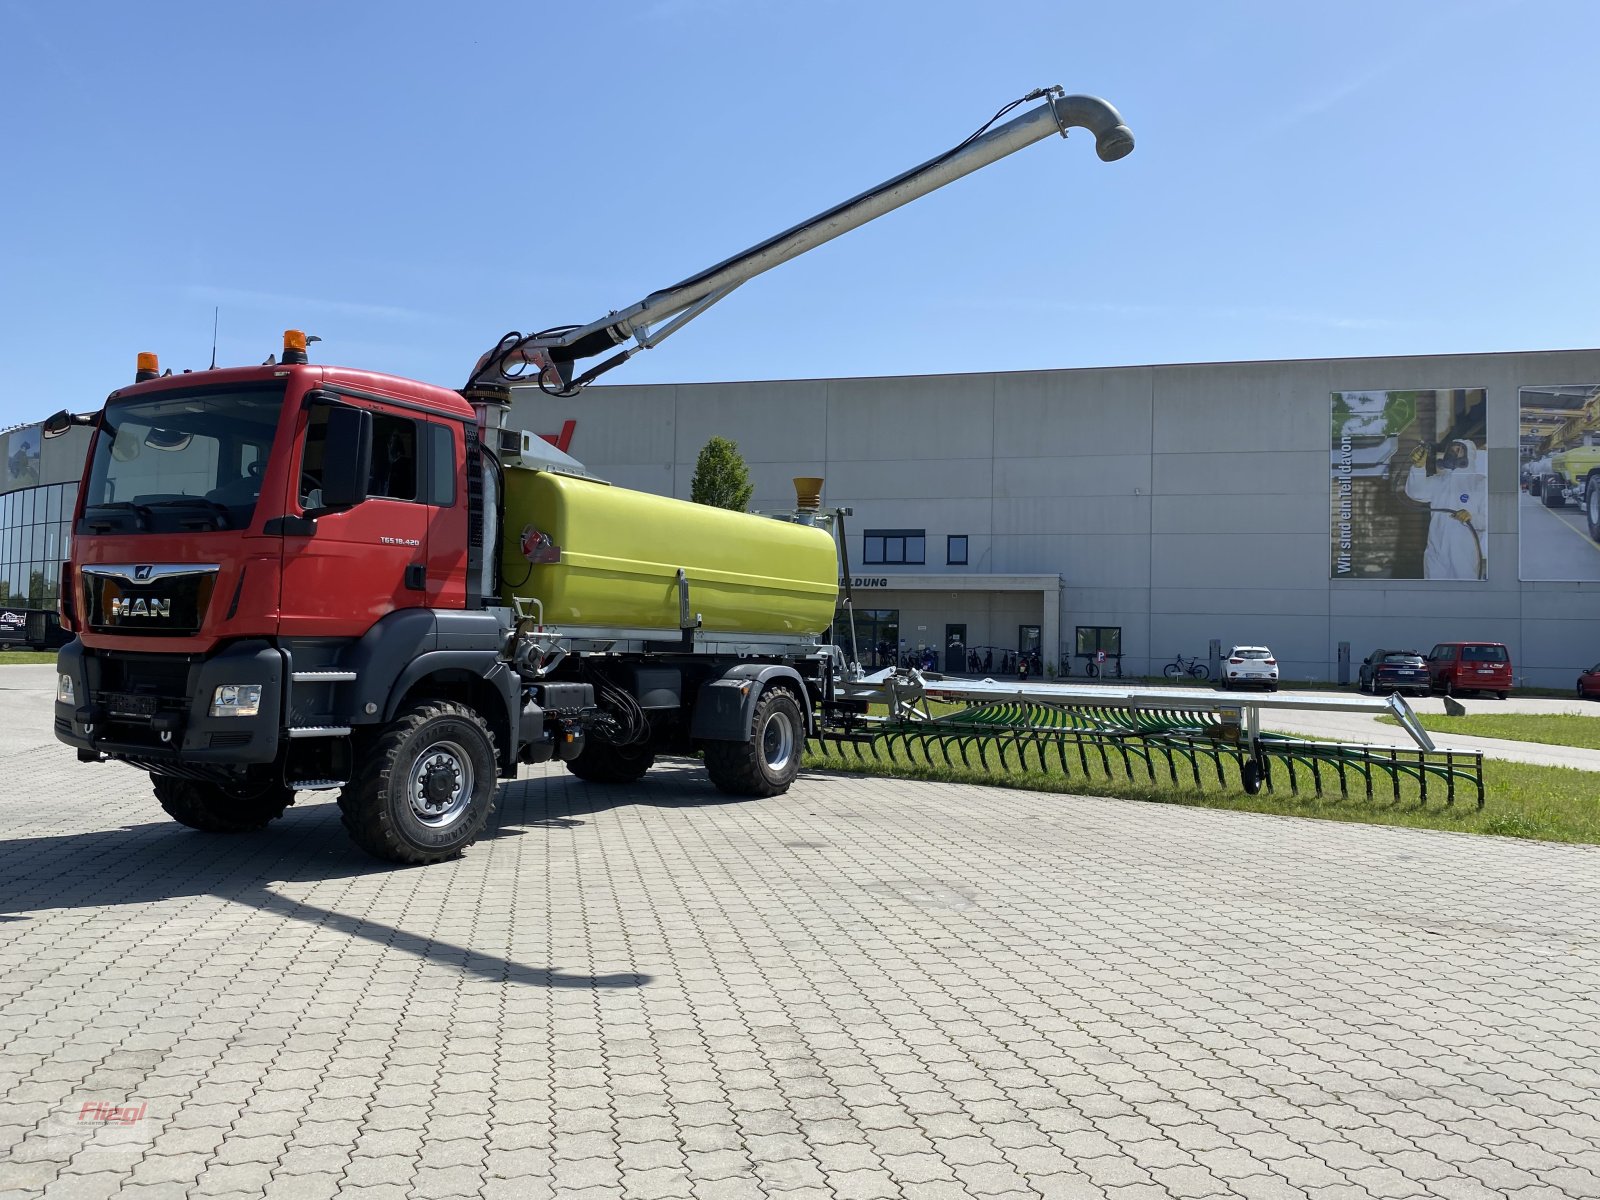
x=357, y=566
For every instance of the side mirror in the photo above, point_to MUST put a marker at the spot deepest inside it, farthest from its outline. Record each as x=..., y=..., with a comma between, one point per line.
x=347, y=459
x=58, y=423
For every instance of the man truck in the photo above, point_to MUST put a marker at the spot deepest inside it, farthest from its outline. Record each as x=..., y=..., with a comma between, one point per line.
x=293, y=577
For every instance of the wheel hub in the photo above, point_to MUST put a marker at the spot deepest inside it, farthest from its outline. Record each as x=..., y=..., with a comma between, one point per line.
x=777, y=741
x=441, y=784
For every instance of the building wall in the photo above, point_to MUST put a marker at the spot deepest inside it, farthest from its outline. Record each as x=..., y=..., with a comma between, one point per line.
x=1182, y=503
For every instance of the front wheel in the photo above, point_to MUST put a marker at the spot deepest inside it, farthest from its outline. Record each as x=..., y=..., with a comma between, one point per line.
x=221, y=807
x=426, y=788
x=767, y=764
x=1172, y=670
x=1251, y=778
x=1591, y=508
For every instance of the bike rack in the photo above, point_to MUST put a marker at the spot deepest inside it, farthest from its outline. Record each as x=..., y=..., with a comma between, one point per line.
x=1181, y=736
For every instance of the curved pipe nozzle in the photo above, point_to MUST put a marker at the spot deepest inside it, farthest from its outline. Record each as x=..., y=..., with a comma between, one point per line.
x=1112, y=139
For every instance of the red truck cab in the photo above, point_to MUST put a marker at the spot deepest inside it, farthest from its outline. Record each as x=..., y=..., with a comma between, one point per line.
x=267, y=561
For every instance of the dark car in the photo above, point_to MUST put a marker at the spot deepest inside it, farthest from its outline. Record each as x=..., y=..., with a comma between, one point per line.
x=1589, y=684
x=1394, y=671
x=1456, y=667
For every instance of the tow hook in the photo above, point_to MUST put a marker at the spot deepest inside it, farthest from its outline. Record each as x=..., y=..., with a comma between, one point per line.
x=166, y=724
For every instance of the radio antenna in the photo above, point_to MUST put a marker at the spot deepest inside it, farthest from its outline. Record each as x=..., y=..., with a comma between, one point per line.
x=214, y=313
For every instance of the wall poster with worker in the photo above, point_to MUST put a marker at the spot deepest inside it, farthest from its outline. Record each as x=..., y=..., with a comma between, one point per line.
x=1409, y=491
x=1558, y=494
x=22, y=457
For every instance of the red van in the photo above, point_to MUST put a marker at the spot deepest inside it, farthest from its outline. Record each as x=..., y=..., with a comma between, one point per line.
x=1458, y=667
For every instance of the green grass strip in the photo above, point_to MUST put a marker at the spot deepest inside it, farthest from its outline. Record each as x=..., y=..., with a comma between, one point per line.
x=1550, y=729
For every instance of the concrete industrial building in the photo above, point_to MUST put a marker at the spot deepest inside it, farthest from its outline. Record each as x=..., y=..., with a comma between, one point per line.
x=1146, y=511
x=1171, y=504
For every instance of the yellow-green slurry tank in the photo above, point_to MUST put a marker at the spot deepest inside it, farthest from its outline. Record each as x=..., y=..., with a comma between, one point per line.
x=597, y=556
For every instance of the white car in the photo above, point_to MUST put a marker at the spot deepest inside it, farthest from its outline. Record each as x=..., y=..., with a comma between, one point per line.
x=1250, y=665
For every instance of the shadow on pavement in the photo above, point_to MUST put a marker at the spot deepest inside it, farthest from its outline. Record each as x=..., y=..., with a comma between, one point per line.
x=161, y=860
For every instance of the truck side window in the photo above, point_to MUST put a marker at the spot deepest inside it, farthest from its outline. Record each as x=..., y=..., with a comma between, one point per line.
x=439, y=486
x=394, y=458
x=312, y=458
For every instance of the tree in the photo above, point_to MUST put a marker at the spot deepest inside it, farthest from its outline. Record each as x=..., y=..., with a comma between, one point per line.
x=720, y=477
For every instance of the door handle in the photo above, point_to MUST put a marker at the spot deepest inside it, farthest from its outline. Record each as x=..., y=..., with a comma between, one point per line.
x=417, y=577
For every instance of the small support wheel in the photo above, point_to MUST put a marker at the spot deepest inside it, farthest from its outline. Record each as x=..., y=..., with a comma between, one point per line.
x=1251, y=777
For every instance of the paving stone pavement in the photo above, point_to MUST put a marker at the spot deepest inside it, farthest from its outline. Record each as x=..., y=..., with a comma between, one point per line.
x=862, y=989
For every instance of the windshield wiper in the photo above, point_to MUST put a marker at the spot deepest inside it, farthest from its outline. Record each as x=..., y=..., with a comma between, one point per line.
x=221, y=510
x=141, y=513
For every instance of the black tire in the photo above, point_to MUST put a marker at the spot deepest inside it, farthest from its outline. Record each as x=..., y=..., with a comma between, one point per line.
x=767, y=764
x=1550, y=495
x=1250, y=777
x=1591, y=508
x=219, y=807
x=1504, y=695
x=1200, y=671
x=1533, y=485
x=1446, y=688
x=1091, y=669
x=1172, y=670
x=425, y=787
x=600, y=762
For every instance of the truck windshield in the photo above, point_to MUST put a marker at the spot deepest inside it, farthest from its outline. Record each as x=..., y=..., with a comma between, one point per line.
x=181, y=460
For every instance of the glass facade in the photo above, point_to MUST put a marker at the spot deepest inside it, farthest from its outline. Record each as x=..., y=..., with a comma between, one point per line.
x=35, y=536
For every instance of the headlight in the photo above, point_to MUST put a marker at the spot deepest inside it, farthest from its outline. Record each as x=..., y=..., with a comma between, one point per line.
x=236, y=700
x=64, y=690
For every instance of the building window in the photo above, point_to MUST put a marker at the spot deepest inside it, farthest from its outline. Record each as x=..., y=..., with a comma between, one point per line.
x=955, y=550
x=874, y=635
x=883, y=546
x=1094, y=638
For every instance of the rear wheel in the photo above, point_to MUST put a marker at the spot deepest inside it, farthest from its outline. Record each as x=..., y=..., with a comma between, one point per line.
x=767, y=764
x=424, y=791
x=220, y=807
x=1591, y=508
x=1200, y=671
x=603, y=763
x=1551, y=496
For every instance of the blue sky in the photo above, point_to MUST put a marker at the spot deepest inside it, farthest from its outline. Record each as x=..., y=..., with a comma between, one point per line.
x=408, y=181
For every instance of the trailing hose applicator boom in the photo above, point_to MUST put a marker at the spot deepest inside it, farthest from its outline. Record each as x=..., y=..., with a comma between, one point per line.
x=553, y=353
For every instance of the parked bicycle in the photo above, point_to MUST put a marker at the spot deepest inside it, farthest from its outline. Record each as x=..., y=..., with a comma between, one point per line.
x=1181, y=666
x=1111, y=668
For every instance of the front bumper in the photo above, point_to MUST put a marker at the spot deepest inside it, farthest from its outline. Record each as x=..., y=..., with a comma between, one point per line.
x=154, y=709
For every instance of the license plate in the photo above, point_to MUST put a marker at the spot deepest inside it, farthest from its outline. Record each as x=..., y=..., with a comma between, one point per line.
x=1486, y=671
x=119, y=704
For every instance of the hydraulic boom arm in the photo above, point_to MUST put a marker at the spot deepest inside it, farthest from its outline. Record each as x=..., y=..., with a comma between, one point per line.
x=553, y=353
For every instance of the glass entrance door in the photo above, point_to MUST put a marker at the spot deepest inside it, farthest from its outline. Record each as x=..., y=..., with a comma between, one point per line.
x=955, y=649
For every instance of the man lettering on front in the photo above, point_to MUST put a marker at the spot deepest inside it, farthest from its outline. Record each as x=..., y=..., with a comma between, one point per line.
x=1457, y=496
